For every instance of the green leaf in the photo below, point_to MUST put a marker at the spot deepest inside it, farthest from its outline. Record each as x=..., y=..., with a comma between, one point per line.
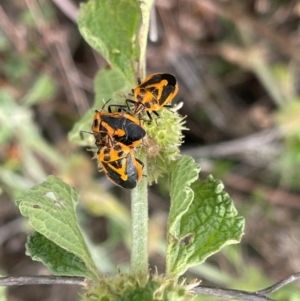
x=84, y=124
x=209, y=223
x=59, y=261
x=15, y=68
x=17, y=122
x=7, y=107
x=112, y=28
x=109, y=84
x=183, y=173
x=43, y=90
x=4, y=45
x=288, y=118
x=50, y=207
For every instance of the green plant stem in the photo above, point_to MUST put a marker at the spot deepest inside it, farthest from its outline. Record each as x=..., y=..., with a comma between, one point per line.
x=143, y=36
x=139, y=195
x=139, y=230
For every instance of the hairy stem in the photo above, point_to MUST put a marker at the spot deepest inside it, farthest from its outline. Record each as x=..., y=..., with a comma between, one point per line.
x=143, y=36
x=139, y=230
x=139, y=195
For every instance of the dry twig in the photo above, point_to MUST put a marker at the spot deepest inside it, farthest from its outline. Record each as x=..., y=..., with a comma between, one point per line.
x=39, y=280
x=246, y=296
x=273, y=288
x=230, y=294
x=202, y=290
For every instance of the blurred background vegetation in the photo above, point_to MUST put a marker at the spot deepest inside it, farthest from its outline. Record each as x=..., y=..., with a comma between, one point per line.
x=237, y=63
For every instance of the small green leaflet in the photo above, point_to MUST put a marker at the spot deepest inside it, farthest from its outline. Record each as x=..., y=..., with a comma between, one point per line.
x=111, y=27
x=209, y=222
x=50, y=207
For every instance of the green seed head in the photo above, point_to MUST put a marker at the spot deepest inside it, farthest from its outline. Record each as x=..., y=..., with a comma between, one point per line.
x=164, y=136
x=125, y=287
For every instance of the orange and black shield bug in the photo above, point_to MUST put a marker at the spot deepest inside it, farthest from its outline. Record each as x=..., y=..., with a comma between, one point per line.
x=155, y=92
x=119, y=164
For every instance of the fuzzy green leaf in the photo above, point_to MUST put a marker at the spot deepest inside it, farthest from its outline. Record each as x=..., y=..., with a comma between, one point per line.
x=50, y=207
x=112, y=28
x=59, y=261
x=84, y=124
x=183, y=173
x=109, y=84
x=209, y=223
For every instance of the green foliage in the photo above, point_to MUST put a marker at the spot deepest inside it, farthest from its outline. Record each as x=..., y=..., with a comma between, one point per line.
x=18, y=127
x=287, y=293
x=7, y=106
x=58, y=260
x=183, y=173
x=15, y=68
x=288, y=118
x=4, y=43
x=202, y=218
x=109, y=84
x=288, y=161
x=285, y=78
x=139, y=293
x=164, y=136
x=222, y=167
x=112, y=28
x=3, y=290
x=50, y=208
x=44, y=89
x=126, y=287
x=143, y=35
